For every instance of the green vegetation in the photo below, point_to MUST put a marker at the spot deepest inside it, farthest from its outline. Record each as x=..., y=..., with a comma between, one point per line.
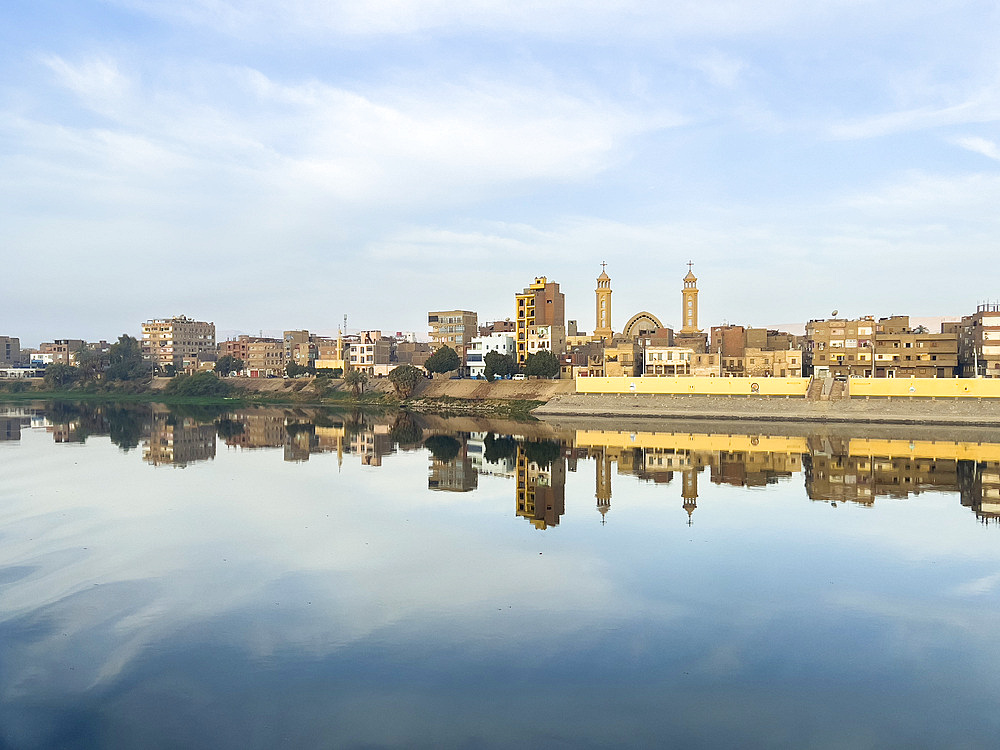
x=125, y=360
x=444, y=359
x=199, y=384
x=293, y=370
x=404, y=379
x=228, y=364
x=543, y=364
x=405, y=430
x=499, y=365
x=356, y=380
x=58, y=375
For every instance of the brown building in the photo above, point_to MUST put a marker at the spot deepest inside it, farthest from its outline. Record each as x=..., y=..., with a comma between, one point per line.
x=61, y=351
x=979, y=342
x=454, y=328
x=622, y=357
x=887, y=348
x=756, y=352
x=10, y=351
x=541, y=303
x=177, y=341
x=265, y=357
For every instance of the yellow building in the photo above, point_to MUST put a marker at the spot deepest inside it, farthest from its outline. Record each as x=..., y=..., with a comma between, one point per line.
x=541, y=303
x=602, y=326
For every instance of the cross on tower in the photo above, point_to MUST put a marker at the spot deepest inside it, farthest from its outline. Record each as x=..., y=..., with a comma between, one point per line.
x=603, y=264
x=690, y=263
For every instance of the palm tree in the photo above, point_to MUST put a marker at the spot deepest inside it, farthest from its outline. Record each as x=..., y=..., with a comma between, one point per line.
x=356, y=379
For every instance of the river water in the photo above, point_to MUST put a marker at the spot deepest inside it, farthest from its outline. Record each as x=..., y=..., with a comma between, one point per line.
x=194, y=577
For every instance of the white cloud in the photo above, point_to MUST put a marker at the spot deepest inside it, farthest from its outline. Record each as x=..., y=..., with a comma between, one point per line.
x=980, y=146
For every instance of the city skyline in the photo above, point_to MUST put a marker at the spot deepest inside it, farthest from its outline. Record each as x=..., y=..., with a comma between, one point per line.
x=267, y=166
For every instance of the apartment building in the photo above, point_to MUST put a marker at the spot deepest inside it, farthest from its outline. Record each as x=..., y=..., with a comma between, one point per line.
x=541, y=303
x=177, y=341
x=886, y=348
x=979, y=342
x=10, y=351
x=371, y=353
x=667, y=361
x=265, y=358
x=453, y=328
x=60, y=351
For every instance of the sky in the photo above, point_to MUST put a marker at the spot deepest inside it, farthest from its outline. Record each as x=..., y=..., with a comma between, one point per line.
x=278, y=165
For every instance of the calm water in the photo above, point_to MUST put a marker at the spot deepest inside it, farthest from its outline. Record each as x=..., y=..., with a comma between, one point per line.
x=278, y=578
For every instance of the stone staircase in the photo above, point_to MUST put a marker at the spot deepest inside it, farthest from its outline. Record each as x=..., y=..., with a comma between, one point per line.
x=828, y=389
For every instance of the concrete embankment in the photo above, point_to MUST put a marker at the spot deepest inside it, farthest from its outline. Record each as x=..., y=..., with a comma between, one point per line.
x=952, y=411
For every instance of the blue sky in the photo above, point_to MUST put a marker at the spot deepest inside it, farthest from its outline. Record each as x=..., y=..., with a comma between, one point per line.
x=276, y=165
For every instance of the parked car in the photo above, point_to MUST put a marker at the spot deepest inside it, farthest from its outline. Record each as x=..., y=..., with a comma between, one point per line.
x=519, y=376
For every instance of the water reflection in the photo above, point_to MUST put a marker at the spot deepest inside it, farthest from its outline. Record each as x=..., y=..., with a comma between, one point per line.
x=321, y=579
x=834, y=468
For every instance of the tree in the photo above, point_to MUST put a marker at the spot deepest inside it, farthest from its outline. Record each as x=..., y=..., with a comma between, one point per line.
x=125, y=360
x=499, y=365
x=228, y=363
x=356, y=379
x=444, y=359
x=89, y=363
x=293, y=370
x=404, y=379
x=405, y=430
x=543, y=363
x=58, y=375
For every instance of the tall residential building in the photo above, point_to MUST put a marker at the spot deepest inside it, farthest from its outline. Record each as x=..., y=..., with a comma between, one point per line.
x=980, y=342
x=177, y=341
x=453, y=328
x=602, y=326
x=541, y=303
x=10, y=351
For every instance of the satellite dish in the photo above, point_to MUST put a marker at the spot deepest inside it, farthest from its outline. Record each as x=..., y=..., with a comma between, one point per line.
x=835, y=313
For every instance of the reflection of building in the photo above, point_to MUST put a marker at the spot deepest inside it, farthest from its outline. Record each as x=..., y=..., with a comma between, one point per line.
x=455, y=475
x=372, y=444
x=475, y=447
x=179, y=443
x=10, y=427
x=541, y=491
x=979, y=485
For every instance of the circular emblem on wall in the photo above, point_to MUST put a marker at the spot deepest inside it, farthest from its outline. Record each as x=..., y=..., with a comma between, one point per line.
x=754, y=387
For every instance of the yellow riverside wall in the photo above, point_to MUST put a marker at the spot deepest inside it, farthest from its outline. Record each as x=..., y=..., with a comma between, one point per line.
x=925, y=387
x=697, y=385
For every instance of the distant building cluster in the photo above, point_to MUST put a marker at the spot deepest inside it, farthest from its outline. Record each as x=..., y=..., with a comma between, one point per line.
x=887, y=347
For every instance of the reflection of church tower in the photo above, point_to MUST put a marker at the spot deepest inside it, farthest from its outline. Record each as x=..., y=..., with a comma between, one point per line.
x=602, y=326
x=689, y=491
x=689, y=296
x=603, y=481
